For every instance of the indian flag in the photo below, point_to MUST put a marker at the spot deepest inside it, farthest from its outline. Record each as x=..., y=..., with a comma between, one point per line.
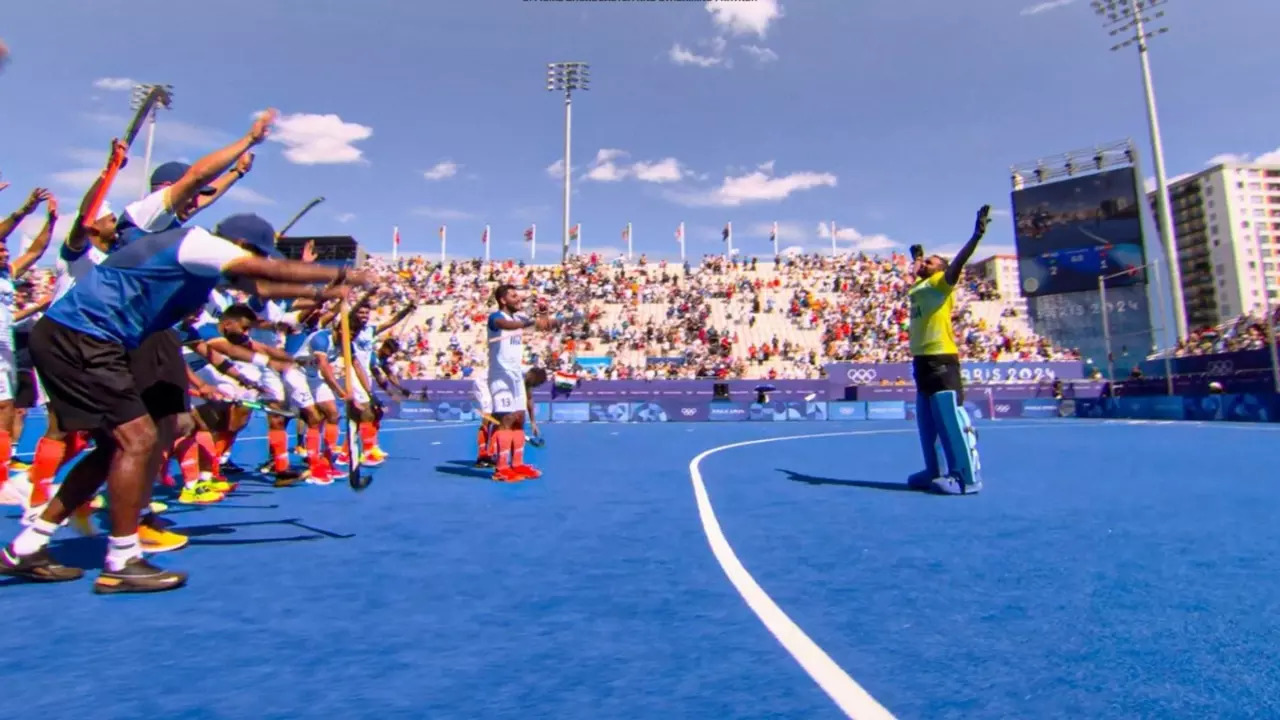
x=565, y=381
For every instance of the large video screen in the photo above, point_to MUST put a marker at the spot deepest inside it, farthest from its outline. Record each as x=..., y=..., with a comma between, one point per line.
x=1074, y=320
x=1071, y=232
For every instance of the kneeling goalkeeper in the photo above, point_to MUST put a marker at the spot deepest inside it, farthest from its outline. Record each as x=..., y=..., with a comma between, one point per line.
x=940, y=413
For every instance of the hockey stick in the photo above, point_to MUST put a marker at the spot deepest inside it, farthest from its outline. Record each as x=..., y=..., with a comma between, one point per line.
x=255, y=405
x=298, y=217
x=355, y=479
x=157, y=96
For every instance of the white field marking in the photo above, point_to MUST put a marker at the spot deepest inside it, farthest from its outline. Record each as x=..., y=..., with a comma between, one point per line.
x=844, y=690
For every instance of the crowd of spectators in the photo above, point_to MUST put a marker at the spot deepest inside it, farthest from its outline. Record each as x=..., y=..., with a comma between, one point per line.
x=1246, y=332
x=657, y=319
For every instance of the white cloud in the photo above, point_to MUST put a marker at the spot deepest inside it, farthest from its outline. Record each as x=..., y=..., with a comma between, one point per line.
x=170, y=132
x=665, y=170
x=442, y=213
x=681, y=55
x=759, y=186
x=610, y=165
x=248, y=197
x=1270, y=158
x=1045, y=7
x=1149, y=184
x=441, y=170
x=312, y=139
x=856, y=241
x=744, y=18
x=605, y=168
x=116, y=84
x=345, y=217
x=792, y=250
x=763, y=55
x=556, y=170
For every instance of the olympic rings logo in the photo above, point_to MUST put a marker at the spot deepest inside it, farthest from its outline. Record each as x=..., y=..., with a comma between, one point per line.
x=688, y=412
x=1219, y=367
x=862, y=376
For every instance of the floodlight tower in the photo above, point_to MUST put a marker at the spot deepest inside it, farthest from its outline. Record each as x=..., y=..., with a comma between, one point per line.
x=140, y=93
x=1128, y=19
x=566, y=77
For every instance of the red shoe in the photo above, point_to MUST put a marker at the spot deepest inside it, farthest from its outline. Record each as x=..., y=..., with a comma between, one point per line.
x=507, y=475
x=527, y=472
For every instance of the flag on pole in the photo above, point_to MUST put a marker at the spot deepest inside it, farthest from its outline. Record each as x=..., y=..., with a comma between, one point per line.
x=484, y=237
x=680, y=233
x=573, y=232
x=773, y=233
x=442, y=232
x=727, y=234
x=395, y=236
x=528, y=233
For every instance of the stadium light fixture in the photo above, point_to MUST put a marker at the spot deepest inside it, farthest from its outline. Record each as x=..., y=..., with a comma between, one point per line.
x=566, y=77
x=1129, y=21
x=140, y=93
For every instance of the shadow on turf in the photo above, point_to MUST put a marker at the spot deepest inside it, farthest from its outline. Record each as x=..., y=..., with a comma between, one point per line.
x=86, y=553
x=464, y=468
x=865, y=484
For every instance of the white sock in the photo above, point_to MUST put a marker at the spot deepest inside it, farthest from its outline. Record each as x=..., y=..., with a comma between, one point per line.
x=121, y=550
x=34, y=538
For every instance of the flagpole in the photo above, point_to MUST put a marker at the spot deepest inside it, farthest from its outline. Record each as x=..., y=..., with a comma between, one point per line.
x=488, y=241
x=578, y=249
x=395, y=243
x=628, y=242
x=443, y=235
x=775, y=239
x=728, y=241
x=680, y=232
x=533, y=241
x=833, y=238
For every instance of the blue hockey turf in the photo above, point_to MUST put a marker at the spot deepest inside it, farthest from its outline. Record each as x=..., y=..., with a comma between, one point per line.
x=1110, y=569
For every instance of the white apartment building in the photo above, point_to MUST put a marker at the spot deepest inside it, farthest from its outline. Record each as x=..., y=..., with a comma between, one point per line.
x=1227, y=224
x=1001, y=271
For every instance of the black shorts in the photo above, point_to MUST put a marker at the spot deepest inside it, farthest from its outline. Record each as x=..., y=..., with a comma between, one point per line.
x=938, y=373
x=160, y=374
x=91, y=383
x=24, y=393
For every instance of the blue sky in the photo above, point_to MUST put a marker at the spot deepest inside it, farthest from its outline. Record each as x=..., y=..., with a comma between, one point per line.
x=893, y=118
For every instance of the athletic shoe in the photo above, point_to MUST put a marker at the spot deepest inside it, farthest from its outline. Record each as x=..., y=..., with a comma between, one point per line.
x=230, y=468
x=157, y=507
x=300, y=451
x=922, y=480
x=19, y=466
x=340, y=459
x=287, y=478
x=951, y=485
x=138, y=576
x=220, y=485
x=526, y=472
x=98, y=502
x=371, y=460
x=39, y=566
x=199, y=495
x=156, y=540
x=376, y=453
x=321, y=479
x=485, y=462
x=506, y=475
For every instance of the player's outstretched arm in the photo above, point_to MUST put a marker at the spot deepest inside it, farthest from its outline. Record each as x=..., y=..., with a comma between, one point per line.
x=222, y=184
x=958, y=262
x=179, y=195
x=33, y=253
x=8, y=224
x=252, y=267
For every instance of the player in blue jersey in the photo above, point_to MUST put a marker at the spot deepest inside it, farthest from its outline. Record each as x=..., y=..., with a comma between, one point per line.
x=81, y=352
x=507, y=382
